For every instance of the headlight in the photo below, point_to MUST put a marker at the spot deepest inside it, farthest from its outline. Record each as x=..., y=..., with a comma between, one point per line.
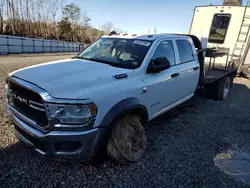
x=71, y=114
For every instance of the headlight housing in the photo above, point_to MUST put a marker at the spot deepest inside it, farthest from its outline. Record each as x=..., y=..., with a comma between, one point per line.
x=71, y=114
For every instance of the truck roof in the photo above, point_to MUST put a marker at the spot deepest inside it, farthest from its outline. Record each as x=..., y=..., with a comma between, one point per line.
x=215, y=6
x=146, y=36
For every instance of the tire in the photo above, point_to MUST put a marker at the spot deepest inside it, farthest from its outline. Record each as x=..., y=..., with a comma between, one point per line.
x=127, y=142
x=245, y=70
x=223, y=88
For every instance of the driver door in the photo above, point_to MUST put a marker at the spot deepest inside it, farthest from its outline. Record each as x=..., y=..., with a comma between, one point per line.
x=161, y=87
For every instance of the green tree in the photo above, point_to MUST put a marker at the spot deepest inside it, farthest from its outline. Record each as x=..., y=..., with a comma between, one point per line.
x=107, y=27
x=85, y=20
x=65, y=30
x=72, y=12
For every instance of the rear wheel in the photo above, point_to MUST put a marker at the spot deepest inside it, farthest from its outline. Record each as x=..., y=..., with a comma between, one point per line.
x=245, y=71
x=223, y=88
x=128, y=140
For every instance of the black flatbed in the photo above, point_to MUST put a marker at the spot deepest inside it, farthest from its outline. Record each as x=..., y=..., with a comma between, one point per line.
x=213, y=71
x=210, y=70
x=217, y=72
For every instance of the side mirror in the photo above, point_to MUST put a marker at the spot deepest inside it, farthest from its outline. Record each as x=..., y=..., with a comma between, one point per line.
x=159, y=64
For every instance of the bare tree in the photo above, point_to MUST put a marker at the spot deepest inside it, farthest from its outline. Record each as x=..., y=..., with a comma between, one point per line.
x=85, y=20
x=1, y=16
x=40, y=18
x=107, y=27
x=121, y=31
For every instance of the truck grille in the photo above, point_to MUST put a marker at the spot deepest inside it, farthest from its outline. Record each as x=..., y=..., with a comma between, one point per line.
x=28, y=103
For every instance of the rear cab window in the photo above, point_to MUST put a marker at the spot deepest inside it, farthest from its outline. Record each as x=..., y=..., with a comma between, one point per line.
x=185, y=50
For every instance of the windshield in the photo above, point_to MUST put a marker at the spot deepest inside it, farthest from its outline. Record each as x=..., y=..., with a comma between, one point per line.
x=118, y=52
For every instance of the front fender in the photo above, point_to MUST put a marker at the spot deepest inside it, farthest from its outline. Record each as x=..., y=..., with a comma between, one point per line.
x=121, y=108
x=114, y=113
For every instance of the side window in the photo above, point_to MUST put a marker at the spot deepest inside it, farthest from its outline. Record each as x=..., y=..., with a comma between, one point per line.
x=219, y=28
x=185, y=51
x=165, y=49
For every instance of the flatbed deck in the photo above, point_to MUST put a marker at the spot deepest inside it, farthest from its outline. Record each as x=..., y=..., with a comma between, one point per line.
x=216, y=72
x=211, y=71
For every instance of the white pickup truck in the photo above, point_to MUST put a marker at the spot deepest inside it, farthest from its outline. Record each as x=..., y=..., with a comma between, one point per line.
x=100, y=101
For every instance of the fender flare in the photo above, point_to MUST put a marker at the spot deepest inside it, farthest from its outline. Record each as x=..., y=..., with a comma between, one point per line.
x=106, y=124
x=121, y=108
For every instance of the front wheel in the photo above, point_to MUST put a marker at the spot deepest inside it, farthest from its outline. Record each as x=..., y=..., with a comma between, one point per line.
x=128, y=140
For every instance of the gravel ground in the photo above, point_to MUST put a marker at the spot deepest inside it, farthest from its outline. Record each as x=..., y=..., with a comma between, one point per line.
x=30, y=59
x=181, y=147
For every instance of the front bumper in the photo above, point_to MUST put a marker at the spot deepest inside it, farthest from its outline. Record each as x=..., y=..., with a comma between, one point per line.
x=64, y=145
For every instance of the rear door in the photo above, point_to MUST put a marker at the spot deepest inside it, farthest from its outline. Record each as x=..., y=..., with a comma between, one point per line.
x=187, y=66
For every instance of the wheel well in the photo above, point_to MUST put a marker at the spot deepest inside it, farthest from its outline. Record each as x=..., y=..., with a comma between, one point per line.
x=141, y=113
x=134, y=111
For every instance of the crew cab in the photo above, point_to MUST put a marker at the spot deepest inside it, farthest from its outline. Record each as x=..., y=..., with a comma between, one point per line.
x=100, y=101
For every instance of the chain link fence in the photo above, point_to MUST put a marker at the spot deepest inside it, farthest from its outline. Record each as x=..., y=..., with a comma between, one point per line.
x=17, y=45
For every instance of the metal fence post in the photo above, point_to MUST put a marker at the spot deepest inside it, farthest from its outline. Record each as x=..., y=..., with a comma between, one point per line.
x=8, y=47
x=33, y=45
x=43, y=45
x=50, y=47
x=22, y=45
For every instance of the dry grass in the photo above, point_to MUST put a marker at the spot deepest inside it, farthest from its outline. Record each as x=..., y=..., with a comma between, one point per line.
x=128, y=140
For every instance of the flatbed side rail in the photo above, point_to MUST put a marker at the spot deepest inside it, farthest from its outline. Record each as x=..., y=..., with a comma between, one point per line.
x=214, y=53
x=213, y=71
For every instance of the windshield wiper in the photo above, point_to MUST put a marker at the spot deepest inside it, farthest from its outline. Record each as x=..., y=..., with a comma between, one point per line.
x=78, y=57
x=96, y=60
x=102, y=61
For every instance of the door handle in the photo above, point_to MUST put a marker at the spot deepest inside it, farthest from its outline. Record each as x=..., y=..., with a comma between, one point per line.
x=175, y=75
x=196, y=68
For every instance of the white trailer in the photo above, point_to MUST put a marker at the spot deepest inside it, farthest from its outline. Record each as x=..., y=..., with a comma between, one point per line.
x=225, y=27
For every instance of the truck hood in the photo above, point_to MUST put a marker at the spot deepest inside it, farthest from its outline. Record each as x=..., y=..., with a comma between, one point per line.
x=71, y=78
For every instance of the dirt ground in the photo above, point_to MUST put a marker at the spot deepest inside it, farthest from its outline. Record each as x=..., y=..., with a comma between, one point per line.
x=181, y=148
